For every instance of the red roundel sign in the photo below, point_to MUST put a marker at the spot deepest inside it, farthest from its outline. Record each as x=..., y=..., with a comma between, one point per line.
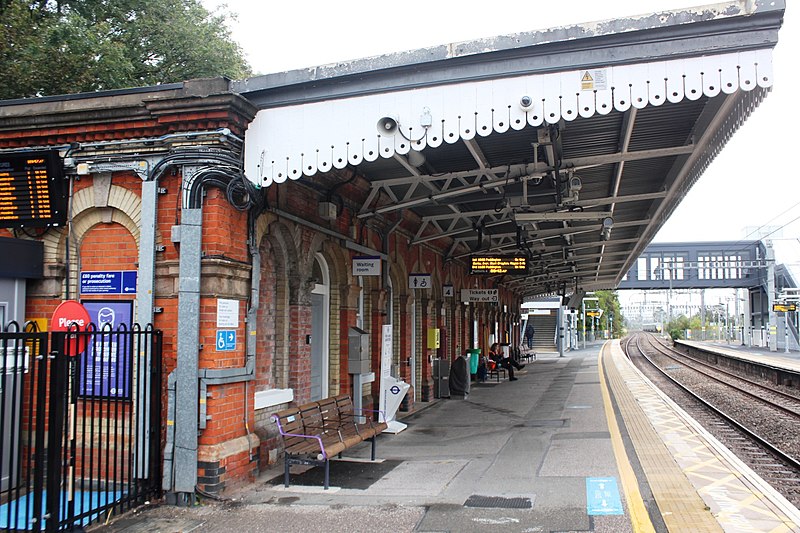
x=71, y=313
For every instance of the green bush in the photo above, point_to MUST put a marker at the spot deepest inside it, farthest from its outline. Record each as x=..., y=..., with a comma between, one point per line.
x=676, y=333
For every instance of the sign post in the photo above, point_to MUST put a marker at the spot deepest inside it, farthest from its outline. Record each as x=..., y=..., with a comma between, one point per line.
x=392, y=389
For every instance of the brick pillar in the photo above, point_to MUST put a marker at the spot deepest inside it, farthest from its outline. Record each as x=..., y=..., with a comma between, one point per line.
x=459, y=348
x=428, y=321
x=348, y=315
x=404, y=326
x=378, y=306
x=300, y=352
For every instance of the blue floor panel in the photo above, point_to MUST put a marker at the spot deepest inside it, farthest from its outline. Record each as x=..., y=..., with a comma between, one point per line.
x=17, y=514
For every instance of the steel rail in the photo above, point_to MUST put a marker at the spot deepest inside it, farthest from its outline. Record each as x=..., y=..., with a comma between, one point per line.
x=764, y=443
x=667, y=352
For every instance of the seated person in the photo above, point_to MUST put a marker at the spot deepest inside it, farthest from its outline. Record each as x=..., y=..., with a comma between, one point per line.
x=497, y=355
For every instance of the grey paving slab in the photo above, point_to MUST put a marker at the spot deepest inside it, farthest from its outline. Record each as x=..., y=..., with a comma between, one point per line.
x=579, y=458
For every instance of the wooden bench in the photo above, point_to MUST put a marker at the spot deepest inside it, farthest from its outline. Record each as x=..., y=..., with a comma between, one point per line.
x=315, y=432
x=527, y=355
x=494, y=369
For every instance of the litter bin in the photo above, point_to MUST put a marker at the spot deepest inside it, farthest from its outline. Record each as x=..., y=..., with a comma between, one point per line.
x=441, y=378
x=474, y=357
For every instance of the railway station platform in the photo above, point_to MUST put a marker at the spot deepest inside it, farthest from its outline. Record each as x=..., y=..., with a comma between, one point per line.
x=789, y=360
x=579, y=443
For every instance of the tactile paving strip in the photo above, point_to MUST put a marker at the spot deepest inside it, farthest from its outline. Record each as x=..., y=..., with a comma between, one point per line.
x=738, y=498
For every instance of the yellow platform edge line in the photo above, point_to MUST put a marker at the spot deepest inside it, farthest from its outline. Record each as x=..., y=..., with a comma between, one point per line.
x=640, y=518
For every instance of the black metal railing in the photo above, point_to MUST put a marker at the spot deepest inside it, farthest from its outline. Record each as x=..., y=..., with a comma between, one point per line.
x=80, y=425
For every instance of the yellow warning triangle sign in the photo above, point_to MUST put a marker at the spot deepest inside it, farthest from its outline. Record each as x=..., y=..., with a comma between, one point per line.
x=587, y=77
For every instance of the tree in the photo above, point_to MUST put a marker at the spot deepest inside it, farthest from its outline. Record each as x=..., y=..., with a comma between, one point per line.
x=608, y=301
x=678, y=326
x=69, y=46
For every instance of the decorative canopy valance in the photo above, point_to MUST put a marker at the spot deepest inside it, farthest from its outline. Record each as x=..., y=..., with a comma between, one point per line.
x=289, y=142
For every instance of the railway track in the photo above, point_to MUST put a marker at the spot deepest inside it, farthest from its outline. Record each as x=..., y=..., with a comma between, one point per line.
x=754, y=420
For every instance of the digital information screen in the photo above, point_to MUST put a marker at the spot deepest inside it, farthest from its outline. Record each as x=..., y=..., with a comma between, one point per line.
x=481, y=264
x=33, y=191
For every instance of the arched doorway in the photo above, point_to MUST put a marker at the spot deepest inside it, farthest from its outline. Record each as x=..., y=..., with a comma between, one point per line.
x=320, y=328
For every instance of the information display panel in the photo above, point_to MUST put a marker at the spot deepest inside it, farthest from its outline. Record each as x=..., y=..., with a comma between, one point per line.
x=509, y=264
x=33, y=191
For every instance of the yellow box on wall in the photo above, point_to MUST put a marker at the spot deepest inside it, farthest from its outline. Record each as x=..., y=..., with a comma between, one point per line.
x=41, y=323
x=433, y=338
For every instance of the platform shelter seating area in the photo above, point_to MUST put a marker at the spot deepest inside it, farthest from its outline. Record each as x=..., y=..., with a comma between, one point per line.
x=493, y=370
x=314, y=432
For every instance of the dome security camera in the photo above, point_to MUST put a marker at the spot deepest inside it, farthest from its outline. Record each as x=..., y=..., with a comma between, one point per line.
x=526, y=103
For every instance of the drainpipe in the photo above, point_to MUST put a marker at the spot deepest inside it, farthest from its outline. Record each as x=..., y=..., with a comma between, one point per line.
x=191, y=380
x=186, y=404
x=252, y=311
x=144, y=308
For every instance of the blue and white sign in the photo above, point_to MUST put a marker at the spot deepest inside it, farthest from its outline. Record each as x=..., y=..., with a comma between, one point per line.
x=107, y=369
x=226, y=340
x=109, y=282
x=602, y=496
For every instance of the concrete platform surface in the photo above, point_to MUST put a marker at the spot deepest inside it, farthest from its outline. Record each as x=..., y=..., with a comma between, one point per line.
x=556, y=451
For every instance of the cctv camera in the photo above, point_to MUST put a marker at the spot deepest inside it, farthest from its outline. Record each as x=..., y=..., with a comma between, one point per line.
x=526, y=103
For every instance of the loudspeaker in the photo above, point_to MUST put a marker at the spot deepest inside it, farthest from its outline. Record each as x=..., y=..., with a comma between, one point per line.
x=387, y=126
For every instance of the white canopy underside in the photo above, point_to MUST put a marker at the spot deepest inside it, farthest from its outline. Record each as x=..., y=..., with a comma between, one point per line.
x=289, y=142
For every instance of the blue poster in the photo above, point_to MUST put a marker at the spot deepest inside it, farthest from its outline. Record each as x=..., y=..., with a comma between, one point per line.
x=106, y=371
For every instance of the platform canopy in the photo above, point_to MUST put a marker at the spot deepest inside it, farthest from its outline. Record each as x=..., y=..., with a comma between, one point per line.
x=571, y=145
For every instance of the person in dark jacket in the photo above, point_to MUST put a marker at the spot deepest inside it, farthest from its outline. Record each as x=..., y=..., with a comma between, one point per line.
x=497, y=355
x=529, y=334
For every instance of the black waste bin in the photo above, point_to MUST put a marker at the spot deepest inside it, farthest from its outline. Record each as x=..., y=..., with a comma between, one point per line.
x=441, y=378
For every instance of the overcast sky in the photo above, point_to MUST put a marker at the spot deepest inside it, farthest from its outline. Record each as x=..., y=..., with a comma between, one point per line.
x=750, y=184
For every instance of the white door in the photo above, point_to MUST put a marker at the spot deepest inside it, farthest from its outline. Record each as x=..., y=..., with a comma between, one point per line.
x=320, y=329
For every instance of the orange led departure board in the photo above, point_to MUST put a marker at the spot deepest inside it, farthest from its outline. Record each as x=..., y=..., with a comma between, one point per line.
x=481, y=264
x=32, y=190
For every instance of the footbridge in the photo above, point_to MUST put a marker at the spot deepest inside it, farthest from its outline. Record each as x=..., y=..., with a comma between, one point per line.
x=747, y=265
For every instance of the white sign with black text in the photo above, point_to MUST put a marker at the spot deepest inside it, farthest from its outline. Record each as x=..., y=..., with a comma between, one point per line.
x=480, y=295
x=366, y=265
x=227, y=313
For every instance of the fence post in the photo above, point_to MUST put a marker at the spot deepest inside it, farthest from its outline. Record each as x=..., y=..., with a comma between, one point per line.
x=55, y=435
